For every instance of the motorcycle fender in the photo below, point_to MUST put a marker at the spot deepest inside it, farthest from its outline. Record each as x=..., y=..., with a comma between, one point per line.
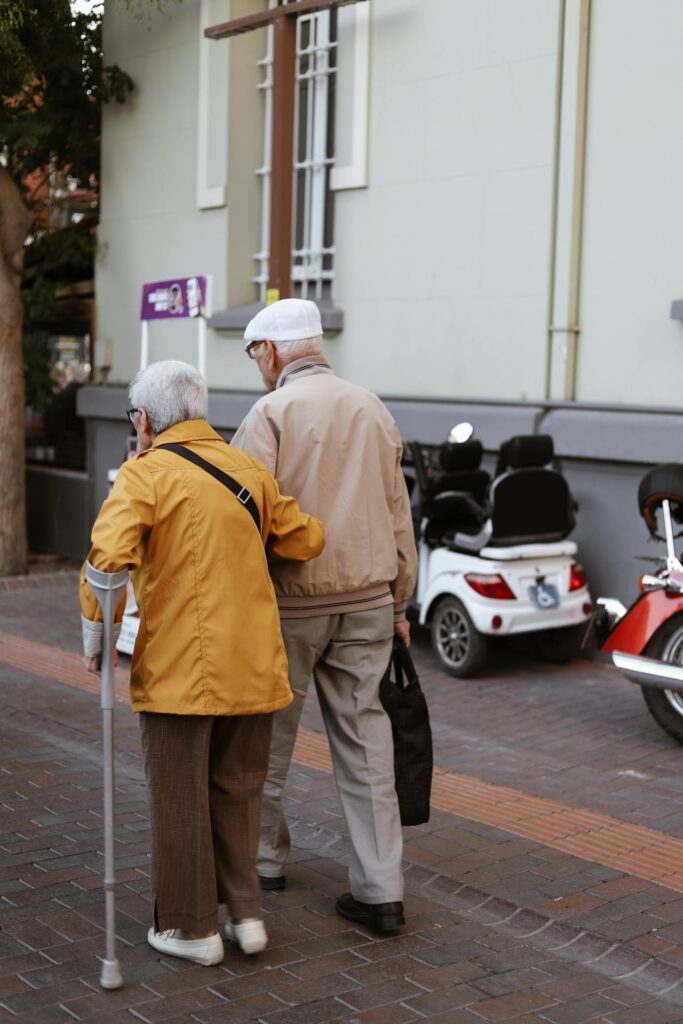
x=634, y=631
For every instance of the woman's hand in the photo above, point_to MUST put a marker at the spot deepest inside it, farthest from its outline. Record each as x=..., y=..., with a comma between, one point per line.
x=95, y=664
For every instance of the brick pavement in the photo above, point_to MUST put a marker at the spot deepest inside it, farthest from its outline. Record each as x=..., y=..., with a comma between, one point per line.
x=500, y=928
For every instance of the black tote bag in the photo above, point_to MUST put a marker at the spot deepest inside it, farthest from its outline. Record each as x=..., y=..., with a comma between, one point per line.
x=405, y=704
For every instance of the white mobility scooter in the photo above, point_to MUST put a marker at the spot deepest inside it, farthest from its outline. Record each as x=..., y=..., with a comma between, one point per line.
x=494, y=558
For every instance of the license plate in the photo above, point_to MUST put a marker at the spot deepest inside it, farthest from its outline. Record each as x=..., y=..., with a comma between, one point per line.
x=545, y=596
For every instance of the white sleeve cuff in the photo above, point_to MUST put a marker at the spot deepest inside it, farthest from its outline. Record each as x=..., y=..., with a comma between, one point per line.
x=92, y=636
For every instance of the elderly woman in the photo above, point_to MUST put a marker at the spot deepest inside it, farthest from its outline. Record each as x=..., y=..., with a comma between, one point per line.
x=209, y=667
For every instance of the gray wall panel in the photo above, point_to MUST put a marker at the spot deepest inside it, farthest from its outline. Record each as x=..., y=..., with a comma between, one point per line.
x=57, y=512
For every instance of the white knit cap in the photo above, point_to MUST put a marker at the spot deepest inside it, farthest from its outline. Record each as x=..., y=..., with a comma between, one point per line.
x=286, y=320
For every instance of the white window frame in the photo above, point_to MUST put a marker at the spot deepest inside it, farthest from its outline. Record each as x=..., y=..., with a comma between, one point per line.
x=309, y=275
x=354, y=174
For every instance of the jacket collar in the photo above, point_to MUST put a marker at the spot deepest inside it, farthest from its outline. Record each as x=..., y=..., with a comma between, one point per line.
x=304, y=367
x=188, y=430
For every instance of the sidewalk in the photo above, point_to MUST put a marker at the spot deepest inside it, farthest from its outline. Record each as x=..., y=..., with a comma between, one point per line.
x=548, y=885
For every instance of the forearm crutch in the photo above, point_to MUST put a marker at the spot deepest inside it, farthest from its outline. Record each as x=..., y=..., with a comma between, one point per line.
x=108, y=588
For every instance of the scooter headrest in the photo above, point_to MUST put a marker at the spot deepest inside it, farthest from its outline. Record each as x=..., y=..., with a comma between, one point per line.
x=461, y=457
x=526, y=451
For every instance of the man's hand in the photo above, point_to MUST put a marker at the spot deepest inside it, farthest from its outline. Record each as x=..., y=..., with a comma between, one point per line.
x=402, y=631
x=95, y=664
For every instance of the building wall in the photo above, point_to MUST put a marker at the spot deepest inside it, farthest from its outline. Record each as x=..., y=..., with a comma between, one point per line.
x=630, y=350
x=443, y=259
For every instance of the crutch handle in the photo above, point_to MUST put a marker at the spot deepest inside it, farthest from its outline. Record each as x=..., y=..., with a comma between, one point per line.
x=105, y=580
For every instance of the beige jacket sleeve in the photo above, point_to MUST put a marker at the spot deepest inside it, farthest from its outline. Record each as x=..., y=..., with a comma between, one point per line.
x=404, y=534
x=255, y=437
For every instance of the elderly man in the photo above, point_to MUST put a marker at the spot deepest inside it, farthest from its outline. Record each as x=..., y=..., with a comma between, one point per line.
x=209, y=667
x=336, y=448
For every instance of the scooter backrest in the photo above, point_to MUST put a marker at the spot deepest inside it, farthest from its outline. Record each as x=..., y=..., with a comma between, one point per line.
x=456, y=458
x=663, y=482
x=530, y=506
x=525, y=451
x=460, y=464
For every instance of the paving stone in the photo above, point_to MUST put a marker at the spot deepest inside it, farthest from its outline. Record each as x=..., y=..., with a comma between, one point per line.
x=577, y=1011
x=512, y=1005
x=317, y=1012
x=647, y=1013
x=516, y=981
x=450, y=998
x=553, y=959
x=397, y=1013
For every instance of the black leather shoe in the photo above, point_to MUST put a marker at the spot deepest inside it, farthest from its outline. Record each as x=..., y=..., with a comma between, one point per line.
x=270, y=883
x=379, y=917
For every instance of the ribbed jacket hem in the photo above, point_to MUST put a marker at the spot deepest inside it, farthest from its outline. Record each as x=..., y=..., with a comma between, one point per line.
x=335, y=604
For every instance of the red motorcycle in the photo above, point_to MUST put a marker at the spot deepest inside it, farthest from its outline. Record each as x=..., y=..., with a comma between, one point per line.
x=646, y=641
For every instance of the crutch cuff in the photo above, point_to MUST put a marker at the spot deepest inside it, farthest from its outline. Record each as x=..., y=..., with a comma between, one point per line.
x=92, y=637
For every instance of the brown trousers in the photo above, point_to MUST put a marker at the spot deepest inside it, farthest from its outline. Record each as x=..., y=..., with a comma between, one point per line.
x=205, y=778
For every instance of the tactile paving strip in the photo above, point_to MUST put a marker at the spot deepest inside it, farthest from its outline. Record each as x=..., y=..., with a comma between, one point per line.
x=635, y=850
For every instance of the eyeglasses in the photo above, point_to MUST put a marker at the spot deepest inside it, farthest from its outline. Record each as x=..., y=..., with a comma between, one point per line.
x=132, y=414
x=251, y=351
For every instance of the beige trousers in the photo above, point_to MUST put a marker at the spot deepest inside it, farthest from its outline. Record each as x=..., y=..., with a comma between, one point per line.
x=346, y=655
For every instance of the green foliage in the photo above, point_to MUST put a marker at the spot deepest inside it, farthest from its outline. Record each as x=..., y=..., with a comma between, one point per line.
x=37, y=383
x=53, y=260
x=52, y=85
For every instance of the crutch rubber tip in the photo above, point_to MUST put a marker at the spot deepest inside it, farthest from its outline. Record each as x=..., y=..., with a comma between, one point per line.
x=111, y=976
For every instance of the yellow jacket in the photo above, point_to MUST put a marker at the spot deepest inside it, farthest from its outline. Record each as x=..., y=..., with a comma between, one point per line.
x=209, y=640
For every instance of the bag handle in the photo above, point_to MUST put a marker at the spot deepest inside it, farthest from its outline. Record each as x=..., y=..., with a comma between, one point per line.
x=404, y=669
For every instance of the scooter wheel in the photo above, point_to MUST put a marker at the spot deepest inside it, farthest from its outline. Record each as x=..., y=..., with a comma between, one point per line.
x=460, y=647
x=666, y=706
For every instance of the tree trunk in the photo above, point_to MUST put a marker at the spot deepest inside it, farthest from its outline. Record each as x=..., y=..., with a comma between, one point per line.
x=15, y=222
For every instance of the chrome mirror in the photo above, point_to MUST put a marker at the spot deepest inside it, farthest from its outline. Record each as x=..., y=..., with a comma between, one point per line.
x=460, y=432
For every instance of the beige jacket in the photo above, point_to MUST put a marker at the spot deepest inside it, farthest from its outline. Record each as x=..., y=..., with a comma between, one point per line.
x=334, y=446
x=209, y=641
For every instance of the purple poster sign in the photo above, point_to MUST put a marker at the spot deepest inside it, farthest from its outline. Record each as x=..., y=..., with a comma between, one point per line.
x=176, y=299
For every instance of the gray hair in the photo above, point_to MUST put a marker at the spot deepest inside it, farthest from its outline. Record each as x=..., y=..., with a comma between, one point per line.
x=288, y=351
x=169, y=391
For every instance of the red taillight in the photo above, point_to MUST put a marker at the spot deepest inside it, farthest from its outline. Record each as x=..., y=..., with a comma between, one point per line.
x=494, y=587
x=577, y=577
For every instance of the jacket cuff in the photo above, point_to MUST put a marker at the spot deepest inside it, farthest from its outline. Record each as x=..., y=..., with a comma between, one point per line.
x=92, y=636
x=400, y=610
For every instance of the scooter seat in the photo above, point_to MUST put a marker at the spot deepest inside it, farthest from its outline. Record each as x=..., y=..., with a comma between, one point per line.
x=453, y=512
x=562, y=548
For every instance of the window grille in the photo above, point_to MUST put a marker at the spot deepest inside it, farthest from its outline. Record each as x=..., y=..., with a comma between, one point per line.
x=313, y=213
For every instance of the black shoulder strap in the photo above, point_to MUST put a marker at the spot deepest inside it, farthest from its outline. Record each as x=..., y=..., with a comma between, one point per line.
x=243, y=494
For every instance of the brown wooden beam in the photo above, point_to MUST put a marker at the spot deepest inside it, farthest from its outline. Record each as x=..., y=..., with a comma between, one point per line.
x=272, y=17
x=282, y=159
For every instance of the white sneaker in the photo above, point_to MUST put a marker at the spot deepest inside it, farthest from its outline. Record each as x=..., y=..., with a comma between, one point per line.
x=250, y=936
x=206, y=951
